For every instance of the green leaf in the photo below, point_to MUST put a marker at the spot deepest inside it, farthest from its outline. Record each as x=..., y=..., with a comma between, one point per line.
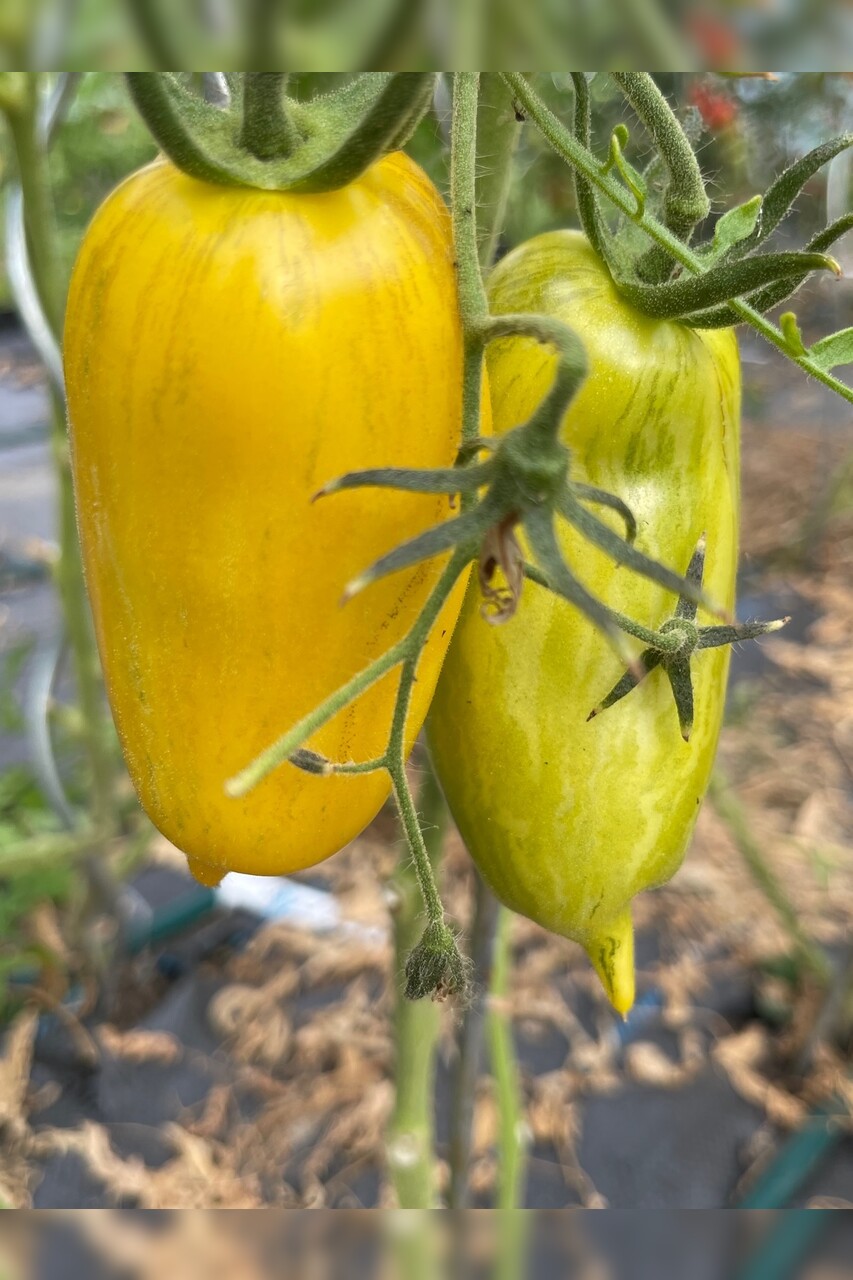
x=833, y=350
x=734, y=226
x=688, y=294
x=781, y=195
x=773, y=295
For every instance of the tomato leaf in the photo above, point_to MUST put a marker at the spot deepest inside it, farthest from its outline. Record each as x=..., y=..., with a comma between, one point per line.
x=723, y=282
x=772, y=295
x=783, y=192
x=835, y=349
x=735, y=226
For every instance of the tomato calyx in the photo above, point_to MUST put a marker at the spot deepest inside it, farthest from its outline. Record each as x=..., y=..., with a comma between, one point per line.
x=525, y=483
x=435, y=966
x=257, y=136
x=679, y=638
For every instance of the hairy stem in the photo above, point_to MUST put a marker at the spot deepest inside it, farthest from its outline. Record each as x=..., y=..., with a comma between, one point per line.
x=469, y=1043
x=686, y=202
x=267, y=130
x=567, y=146
x=473, y=304
x=416, y=1026
x=498, y=132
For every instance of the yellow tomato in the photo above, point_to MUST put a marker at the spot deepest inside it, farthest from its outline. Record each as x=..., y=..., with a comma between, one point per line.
x=568, y=818
x=227, y=352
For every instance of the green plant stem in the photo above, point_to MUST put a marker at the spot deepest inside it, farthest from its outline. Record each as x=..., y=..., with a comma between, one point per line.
x=421, y=861
x=498, y=132
x=730, y=809
x=483, y=141
x=75, y=608
x=267, y=130
x=473, y=304
x=572, y=151
x=511, y=1129
x=30, y=149
x=416, y=1026
x=685, y=200
x=469, y=1040
x=39, y=218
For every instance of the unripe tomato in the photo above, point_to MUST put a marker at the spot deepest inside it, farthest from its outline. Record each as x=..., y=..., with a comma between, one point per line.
x=227, y=352
x=567, y=819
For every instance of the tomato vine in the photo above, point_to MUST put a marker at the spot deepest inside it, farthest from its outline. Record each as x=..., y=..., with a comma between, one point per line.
x=526, y=479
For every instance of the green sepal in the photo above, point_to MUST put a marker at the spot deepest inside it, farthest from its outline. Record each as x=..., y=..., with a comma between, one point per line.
x=773, y=295
x=527, y=483
x=447, y=480
x=602, y=536
x=332, y=139
x=734, y=227
x=435, y=966
x=690, y=639
x=782, y=193
x=681, y=683
x=539, y=527
x=681, y=298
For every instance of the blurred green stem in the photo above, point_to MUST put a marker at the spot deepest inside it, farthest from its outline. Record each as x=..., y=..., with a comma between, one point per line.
x=497, y=137
x=267, y=130
x=410, y=1138
x=485, y=133
x=659, y=43
x=48, y=276
x=469, y=1043
x=730, y=809
x=511, y=1127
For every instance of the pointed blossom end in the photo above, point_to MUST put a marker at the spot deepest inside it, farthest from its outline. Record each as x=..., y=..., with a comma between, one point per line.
x=331, y=486
x=612, y=954
x=353, y=588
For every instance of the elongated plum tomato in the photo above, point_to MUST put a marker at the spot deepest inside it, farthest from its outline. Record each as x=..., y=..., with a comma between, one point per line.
x=568, y=819
x=227, y=352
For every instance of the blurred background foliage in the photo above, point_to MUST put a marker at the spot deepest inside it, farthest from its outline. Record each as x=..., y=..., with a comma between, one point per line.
x=423, y=34
x=746, y=130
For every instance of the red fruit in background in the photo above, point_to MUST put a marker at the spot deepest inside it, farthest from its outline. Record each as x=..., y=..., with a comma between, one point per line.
x=716, y=108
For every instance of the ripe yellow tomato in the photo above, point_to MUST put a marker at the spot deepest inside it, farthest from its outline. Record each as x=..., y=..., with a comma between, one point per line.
x=568, y=819
x=227, y=352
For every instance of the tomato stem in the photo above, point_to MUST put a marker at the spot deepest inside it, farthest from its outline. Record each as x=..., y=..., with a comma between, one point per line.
x=410, y=1135
x=267, y=129
x=563, y=141
x=686, y=201
x=513, y=1131
x=498, y=131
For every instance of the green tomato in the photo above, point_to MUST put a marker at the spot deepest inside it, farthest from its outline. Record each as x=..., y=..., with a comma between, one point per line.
x=568, y=818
